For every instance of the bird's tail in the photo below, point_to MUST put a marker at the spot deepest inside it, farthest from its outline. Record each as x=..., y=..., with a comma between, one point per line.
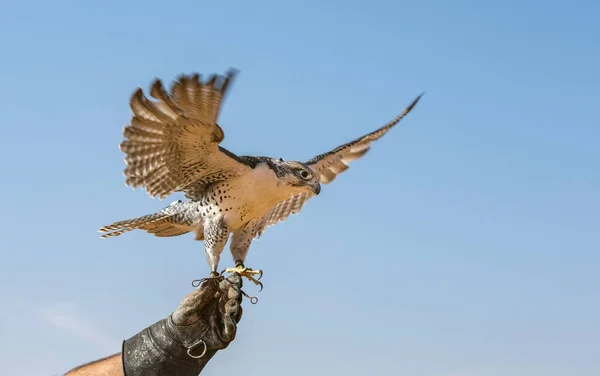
x=159, y=224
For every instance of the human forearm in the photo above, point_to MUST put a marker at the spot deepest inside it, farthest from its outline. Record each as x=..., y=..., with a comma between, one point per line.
x=109, y=366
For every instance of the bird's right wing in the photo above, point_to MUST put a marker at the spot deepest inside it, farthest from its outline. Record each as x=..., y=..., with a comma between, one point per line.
x=282, y=210
x=172, y=144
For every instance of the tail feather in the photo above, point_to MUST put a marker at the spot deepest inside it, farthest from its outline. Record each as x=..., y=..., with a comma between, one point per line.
x=132, y=222
x=159, y=224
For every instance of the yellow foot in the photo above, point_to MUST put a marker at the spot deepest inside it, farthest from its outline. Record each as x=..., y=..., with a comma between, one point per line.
x=246, y=272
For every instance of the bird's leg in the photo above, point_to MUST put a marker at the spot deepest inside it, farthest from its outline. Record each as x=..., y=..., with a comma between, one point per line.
x=246, y=272
x=240, y=243
x=216, y=233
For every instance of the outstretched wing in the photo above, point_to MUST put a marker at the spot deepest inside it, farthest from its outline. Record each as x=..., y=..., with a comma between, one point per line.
x=172, y=144
x=327, y=166
x=282, y=210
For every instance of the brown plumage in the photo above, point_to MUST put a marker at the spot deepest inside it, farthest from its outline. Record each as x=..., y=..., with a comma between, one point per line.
x=170, y=221
x=171, y=144
x=329, y=165
x=152, y=223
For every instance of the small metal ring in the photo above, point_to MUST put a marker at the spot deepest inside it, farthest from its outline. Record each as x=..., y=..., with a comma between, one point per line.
x=193, y=347
x=253, y=299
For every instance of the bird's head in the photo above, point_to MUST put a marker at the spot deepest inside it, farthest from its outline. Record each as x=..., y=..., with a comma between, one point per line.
x=296, y=175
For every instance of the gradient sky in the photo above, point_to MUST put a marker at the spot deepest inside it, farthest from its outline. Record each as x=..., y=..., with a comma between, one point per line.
x=466, y=243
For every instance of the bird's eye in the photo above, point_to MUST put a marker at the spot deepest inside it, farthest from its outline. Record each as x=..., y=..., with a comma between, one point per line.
x=304, y=174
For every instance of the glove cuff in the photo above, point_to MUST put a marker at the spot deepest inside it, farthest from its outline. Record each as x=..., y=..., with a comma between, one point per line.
x=155, y=351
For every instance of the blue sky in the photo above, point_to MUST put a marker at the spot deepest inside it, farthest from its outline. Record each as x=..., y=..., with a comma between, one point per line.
x=465, y=243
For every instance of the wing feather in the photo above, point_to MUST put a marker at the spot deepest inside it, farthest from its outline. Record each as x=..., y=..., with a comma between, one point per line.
x=282, y=210
x=172, y=143
x=329, y=165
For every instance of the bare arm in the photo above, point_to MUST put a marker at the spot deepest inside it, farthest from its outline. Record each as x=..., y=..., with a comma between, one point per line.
x=109, y=366
x=182, y=343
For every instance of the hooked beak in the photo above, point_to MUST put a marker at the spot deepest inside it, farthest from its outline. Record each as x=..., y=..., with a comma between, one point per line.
x=317, y=188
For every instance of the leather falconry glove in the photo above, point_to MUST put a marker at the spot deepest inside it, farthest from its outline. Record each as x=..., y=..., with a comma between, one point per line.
x=183, y=343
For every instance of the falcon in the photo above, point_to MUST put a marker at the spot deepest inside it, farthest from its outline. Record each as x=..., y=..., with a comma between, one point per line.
x=172, y=144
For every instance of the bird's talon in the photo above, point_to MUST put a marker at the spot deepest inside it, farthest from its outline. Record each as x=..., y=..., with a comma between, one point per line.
x=258, y=284
x=246, y=272
x=255, y=281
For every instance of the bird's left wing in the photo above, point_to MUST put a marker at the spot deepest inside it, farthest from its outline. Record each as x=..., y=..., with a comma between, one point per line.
x=328, y=165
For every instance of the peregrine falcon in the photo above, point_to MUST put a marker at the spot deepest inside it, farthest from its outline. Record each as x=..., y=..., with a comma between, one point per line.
x=172, y=145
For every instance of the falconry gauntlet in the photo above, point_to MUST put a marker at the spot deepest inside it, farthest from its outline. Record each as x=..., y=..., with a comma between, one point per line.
x=183, y=343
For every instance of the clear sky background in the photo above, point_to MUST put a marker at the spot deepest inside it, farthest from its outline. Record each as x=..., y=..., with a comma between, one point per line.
x=467, y=242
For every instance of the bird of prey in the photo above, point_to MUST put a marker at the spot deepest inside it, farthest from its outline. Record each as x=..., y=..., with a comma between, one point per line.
x=172, y=145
